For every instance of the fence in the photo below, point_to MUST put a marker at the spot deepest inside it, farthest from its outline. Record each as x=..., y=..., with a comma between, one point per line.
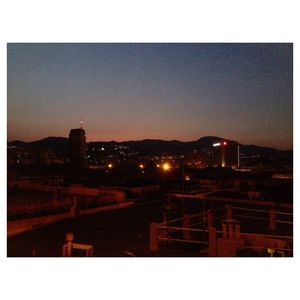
x=201, y=229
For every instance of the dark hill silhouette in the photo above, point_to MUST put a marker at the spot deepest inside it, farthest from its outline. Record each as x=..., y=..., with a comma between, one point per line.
x=60, y=145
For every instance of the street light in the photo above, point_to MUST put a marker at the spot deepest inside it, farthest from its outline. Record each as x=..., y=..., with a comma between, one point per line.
x=166, y=167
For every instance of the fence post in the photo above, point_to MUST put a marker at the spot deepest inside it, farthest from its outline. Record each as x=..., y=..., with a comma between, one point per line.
x=74, y=211
x=230, y=230
x=224, y=230
x=210, y=218
x=67, y=248
x=153, y=237
x=90, y=252
x=212, y=241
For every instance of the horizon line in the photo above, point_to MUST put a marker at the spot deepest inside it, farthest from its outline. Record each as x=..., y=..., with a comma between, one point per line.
x=153, y=139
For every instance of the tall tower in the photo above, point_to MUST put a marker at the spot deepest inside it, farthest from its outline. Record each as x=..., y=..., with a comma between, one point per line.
x=77, y=148
x=222, y=146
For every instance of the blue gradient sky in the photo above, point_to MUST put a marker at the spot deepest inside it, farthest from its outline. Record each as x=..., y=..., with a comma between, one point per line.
x=165, y=91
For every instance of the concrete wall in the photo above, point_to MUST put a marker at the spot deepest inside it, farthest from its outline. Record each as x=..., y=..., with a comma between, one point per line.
x=19, y=226
x=228, y=247
x=259, y=241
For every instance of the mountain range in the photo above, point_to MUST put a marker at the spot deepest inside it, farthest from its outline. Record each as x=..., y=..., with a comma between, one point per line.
x=60, y=145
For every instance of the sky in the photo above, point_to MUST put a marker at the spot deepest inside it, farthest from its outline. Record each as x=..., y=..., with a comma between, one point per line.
x=242, y=92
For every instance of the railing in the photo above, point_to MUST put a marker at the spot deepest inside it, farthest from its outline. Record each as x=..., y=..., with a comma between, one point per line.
x=268, y=214
x=188, y=226
x=188, y=229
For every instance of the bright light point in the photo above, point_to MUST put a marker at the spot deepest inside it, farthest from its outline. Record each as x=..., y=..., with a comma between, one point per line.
x=216, y=144
x=110, y=166
x=224, y=143
x=166, y=167
x=141, y=166
x=157, y=165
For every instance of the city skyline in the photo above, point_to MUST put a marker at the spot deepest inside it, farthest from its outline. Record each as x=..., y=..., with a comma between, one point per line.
x=124, y=92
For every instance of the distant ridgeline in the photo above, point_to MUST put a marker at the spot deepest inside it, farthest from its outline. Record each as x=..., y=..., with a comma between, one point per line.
x=59, y=147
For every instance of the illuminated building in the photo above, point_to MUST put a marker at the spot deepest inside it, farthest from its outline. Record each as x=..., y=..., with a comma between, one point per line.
x=226, y=154
x=222, y=146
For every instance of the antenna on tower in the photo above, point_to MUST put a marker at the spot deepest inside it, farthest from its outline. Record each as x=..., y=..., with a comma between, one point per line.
x=81, y=122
